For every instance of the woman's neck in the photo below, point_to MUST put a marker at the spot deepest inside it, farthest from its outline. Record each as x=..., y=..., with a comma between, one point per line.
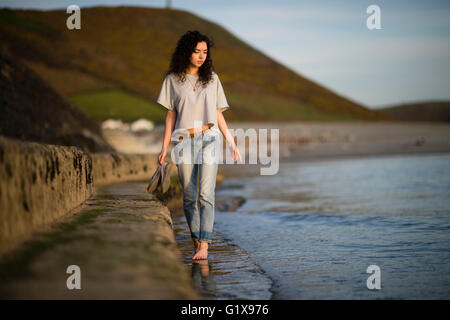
x=192, y=70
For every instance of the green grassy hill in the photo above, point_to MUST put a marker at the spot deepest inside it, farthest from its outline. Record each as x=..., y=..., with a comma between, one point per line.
x=114, y=65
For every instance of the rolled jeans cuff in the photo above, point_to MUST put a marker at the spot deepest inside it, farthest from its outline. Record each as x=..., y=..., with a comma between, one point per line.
x=202, y=236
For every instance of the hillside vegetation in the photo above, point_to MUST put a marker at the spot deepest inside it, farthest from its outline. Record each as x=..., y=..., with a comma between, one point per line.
x=433, y=111
x=125, y=51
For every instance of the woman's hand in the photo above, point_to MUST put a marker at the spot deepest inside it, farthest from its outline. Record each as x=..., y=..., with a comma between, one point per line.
x=162, y=155
x=236, y=153
x=228, y=137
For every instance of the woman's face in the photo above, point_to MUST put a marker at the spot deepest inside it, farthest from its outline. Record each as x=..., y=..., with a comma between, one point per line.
x=198, y=57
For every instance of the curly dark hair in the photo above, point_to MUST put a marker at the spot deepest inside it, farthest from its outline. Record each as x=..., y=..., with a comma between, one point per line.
x=180, y=58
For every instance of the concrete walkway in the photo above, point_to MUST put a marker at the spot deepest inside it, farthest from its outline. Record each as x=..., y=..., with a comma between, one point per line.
x=123, y=242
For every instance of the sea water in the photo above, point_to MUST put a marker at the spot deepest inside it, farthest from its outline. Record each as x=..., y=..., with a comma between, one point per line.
x=316, y=226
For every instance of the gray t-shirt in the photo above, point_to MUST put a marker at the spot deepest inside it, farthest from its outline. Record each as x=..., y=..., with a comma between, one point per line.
x=198, y=106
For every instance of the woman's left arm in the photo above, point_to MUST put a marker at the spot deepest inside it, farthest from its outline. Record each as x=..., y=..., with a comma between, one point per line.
x=228, y=137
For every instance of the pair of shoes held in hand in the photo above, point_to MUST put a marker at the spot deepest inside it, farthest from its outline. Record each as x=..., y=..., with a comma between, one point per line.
x=161, y=177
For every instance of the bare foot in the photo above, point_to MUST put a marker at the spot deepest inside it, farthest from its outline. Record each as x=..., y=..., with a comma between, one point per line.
x=196, y=245
x=202, y=252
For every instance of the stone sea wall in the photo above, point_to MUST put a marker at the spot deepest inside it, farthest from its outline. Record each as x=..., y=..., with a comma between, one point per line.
x=112, y=167
x=39, y=183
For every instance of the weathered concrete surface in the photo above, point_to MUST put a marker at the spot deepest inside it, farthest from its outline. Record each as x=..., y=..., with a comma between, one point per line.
x=123, y=242
x=38, y=184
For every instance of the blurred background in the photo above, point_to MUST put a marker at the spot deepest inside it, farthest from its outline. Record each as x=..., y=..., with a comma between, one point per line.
x=278, y=62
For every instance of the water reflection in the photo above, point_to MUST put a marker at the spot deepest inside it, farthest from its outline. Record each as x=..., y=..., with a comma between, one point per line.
x=203, y=278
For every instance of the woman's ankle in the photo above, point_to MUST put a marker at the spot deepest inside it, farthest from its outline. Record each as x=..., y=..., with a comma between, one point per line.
x=203, y=244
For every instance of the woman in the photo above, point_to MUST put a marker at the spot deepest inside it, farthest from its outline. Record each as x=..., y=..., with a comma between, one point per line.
x=194, y=97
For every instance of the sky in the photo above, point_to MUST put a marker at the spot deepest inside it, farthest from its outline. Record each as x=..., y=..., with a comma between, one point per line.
x=328, y=42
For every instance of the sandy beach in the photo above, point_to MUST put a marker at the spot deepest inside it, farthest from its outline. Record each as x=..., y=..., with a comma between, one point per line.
x=310, y=141
x=303, y=140
x=307, y=141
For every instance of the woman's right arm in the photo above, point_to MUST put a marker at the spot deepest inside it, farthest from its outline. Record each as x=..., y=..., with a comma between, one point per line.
x=171, y=117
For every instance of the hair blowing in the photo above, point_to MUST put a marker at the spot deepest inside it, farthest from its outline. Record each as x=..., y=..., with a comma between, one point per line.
x=180, y=58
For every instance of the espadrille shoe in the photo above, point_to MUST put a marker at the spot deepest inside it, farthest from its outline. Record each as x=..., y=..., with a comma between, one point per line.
x=165, y=176
x=155, y=179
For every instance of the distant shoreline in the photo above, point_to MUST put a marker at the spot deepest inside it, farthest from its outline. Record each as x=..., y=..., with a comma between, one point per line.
x=359, y=155
x=308, y=140
x=346, y=140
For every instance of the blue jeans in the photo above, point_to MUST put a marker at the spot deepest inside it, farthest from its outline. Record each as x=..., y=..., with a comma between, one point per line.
x=197, y=174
